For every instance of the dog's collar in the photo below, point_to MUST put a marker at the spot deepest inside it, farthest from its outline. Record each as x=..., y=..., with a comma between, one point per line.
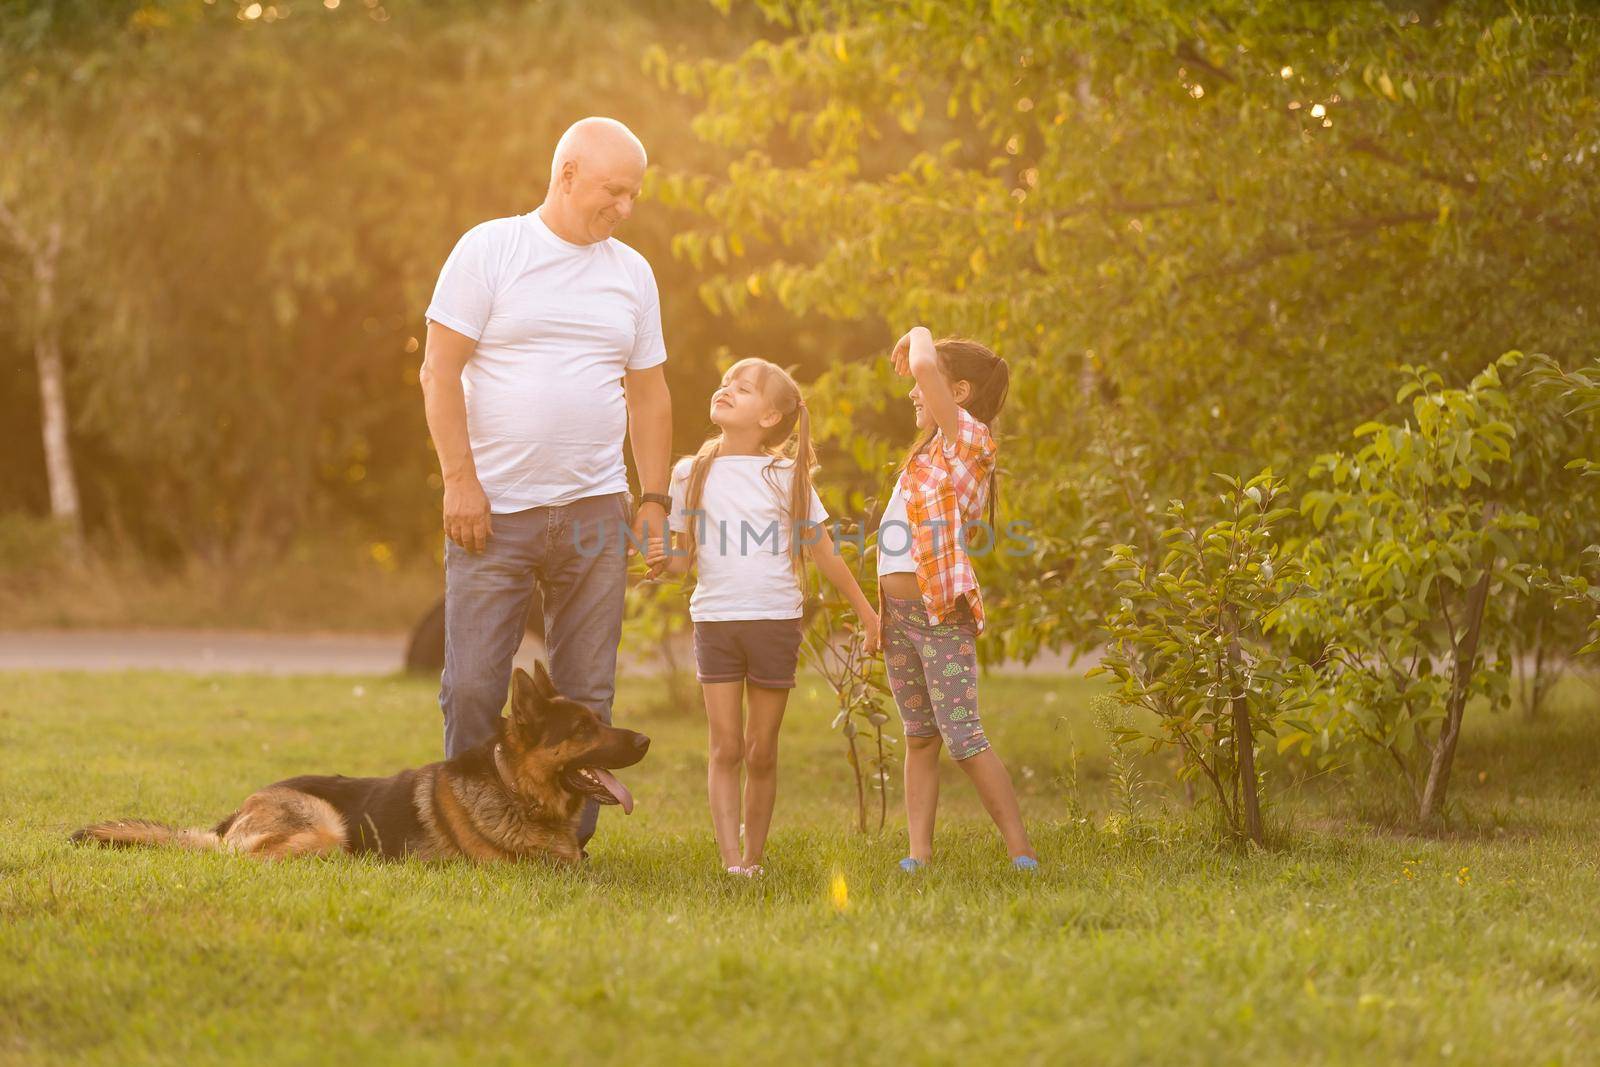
x=527, y=807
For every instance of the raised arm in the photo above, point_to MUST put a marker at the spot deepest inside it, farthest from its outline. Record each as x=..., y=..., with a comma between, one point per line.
x=914, y=355
x=466, y=506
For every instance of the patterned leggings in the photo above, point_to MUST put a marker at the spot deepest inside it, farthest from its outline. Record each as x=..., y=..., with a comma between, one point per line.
x=933, y=674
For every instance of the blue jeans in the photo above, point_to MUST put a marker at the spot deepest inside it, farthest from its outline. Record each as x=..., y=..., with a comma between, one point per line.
x=583, y=580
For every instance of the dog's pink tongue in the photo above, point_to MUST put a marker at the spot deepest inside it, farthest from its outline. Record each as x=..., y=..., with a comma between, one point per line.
x=616, y=788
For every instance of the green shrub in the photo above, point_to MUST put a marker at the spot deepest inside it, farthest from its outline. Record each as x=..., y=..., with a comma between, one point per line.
x=861, y=699
x=1414, y=550
x=1188, y=642
x=1578, y=395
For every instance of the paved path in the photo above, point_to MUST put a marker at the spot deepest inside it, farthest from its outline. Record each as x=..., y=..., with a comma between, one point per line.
x=201, y=651
x=249, y=652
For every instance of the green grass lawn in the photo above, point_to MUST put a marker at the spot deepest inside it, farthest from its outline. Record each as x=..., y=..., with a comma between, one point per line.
x=1347, y=942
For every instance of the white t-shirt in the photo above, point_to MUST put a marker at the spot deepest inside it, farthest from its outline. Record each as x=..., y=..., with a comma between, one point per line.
x=557, y=324
x=895, y=542
x=743, y=556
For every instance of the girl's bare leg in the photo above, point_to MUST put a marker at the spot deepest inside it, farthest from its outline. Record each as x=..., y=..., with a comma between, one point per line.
x=725, y=719
x=922, y=793
x=761, y=767
x=989, y=775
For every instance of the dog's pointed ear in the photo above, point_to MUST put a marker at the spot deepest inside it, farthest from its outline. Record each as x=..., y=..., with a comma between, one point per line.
x=542, y=680
x=527, y=699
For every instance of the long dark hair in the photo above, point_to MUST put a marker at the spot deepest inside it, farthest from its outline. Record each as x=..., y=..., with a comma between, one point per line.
x=783, y=393
x=989, y=376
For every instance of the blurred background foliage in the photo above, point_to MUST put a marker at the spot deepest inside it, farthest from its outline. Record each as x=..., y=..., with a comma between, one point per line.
x=255, y=203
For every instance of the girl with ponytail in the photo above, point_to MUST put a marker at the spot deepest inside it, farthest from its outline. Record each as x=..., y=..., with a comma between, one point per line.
x=744, y=515
x=931, y=607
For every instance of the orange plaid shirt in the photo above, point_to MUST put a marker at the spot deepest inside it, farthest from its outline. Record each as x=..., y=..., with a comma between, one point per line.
x=945, y=486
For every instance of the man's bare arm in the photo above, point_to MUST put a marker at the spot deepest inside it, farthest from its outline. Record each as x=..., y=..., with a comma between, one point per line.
x=466, y=507
x=650, y=435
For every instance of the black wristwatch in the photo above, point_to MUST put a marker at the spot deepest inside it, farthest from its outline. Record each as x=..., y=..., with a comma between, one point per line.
x=657, y=498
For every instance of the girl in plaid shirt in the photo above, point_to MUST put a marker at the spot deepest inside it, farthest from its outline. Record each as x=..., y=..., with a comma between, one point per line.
x=931, y=608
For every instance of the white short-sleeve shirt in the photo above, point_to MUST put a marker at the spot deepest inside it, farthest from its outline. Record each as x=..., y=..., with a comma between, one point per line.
x=896, y=538
x=557, y=325
x=743, y=554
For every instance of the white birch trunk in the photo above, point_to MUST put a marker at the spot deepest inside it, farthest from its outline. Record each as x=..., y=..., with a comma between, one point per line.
x=64, y=503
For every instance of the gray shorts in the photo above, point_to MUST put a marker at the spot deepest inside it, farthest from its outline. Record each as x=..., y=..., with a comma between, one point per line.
x=762, y=652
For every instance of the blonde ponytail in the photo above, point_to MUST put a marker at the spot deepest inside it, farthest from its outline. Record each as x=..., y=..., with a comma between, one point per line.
x=800, y=492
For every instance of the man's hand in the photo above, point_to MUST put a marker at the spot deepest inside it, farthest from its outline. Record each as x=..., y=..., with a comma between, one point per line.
x=650, y=530
x=466, y=515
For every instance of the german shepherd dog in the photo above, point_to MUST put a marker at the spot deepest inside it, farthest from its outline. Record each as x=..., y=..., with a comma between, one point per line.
x=516, y=796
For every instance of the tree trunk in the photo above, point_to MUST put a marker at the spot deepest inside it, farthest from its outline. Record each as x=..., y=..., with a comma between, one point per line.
x=1245, y=745
x=44, y=254
x=1529, y=667
x=64, y=507
x=1466, y=653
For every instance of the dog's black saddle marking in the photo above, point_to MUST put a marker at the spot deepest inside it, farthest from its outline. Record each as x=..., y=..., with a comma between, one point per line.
x=378, y=813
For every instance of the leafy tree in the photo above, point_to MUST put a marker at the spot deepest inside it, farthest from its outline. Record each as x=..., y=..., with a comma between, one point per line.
x=1414, y=550
x=1200, y=231
x=1578, y=394
x=1544, y=632
x=56, y=55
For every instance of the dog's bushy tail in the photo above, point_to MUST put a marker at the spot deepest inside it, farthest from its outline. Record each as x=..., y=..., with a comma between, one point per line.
x=127, y=833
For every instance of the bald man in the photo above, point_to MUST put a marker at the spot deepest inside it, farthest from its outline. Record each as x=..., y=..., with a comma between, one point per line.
x=544, y=350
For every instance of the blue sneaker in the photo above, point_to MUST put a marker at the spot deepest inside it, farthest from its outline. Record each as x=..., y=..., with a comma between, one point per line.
x=911, y=866
x=1025, y=863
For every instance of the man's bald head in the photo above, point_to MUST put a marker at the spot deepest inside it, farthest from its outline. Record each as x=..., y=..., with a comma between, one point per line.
x=595, y=176
x=596, y=141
